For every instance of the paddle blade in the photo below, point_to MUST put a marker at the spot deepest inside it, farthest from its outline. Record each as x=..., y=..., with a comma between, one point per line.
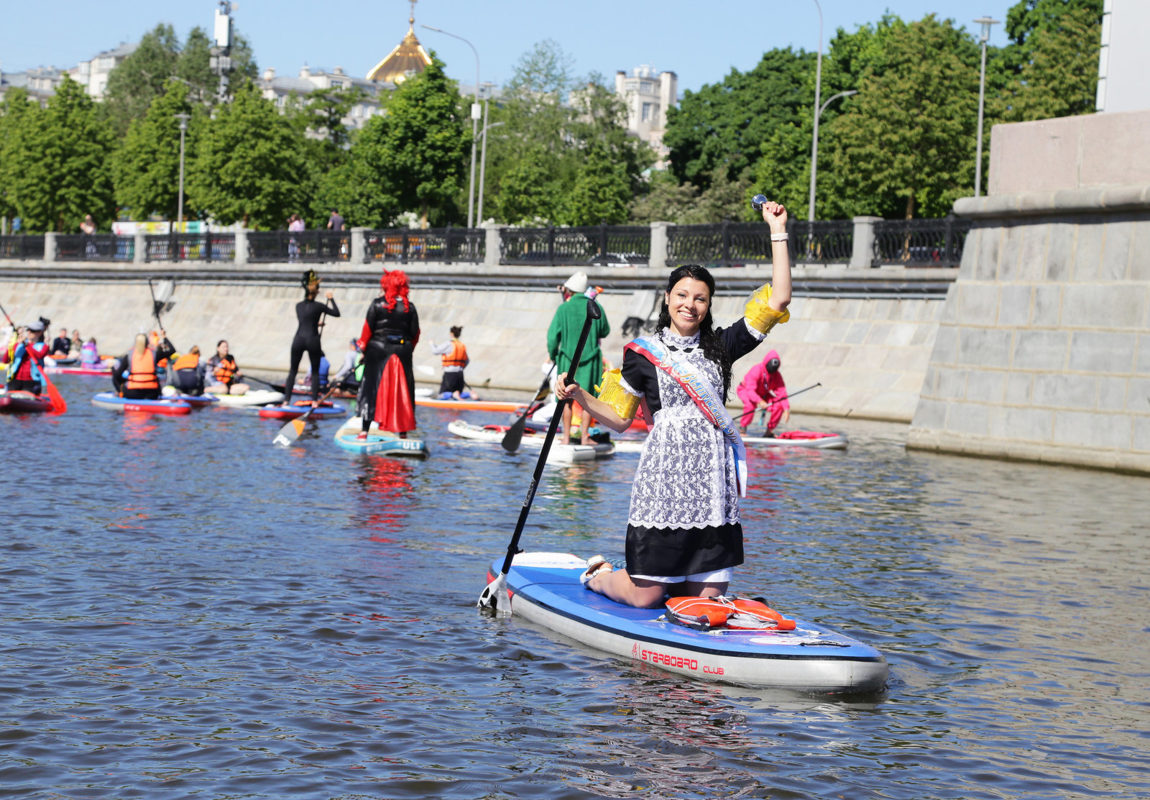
x=289, y=432
x=514, y=435
x=58, y=404
x=494, y=596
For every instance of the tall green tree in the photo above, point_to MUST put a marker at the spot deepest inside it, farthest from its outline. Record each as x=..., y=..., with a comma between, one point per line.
x=562, y=154
x=140, y=78
x=424, y=145
x=18, y=118
x=904, y=146
x=250, y=164
x=527, y=194
x=528, y=168
x=359, y=186
x=147, y=165
x=722, y=128
x=601, y=193
x=1052, y=58
x=64, y=156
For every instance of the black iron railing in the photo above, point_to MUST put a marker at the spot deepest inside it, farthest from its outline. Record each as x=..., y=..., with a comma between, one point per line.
x=22, y=247
x=821, y=241
x=920, y=242
x=734, y=244
x=596, y=245
x=94, y=247
x=301, y=246
x=446, y=245
x=205, y=246
x=917, y=243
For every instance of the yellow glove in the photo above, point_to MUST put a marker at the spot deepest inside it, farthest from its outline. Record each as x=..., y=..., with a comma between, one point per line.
x=613, y=394
x=760, y=315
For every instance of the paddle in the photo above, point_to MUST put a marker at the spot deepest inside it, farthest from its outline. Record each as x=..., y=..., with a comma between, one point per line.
x=279, y=387
x=751, y=413
x=494, y=595
x=58, y=404
x=291, y=431
x=157, y=305
x=514, y=434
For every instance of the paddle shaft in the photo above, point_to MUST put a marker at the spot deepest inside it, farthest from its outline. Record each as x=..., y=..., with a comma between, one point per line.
x=156, y=306
x=593, y=313
x=751, y=413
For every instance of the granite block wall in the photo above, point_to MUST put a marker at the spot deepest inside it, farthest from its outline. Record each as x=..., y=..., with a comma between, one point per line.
x=1041, y=352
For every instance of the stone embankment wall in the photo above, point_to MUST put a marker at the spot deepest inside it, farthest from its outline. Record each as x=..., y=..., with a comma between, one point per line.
x=1044, y=350
x=865, y=335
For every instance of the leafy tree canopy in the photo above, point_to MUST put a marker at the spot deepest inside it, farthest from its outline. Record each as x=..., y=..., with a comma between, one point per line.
x=62, y=155
x=147, y=165
x=250, y=164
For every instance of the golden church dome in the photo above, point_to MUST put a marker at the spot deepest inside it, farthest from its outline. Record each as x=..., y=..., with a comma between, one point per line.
x=408, y=58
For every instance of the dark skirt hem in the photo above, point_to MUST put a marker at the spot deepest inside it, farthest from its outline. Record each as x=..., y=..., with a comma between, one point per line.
x=676, y=551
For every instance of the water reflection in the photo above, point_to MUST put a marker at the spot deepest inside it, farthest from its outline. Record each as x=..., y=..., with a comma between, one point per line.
x=386, y=487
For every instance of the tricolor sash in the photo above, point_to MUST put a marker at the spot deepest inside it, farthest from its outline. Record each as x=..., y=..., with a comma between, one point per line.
x=700, y=391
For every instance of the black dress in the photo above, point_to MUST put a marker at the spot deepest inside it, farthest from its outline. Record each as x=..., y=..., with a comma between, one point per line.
x=394, y=331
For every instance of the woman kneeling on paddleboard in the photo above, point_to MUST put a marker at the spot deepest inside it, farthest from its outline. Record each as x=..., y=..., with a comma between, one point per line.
x=683, y=531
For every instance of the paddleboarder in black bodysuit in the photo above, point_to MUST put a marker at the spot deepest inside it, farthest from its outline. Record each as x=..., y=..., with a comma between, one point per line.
x=309, y=312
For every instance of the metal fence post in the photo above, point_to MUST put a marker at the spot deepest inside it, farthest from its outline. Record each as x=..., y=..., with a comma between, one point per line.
x=659, y=241
x=603, y=260
x=862, y=242
x=492, y=245
x=551, y=246
x=725, y=255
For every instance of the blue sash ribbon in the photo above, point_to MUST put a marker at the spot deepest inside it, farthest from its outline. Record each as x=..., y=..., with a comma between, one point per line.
x=704, y=396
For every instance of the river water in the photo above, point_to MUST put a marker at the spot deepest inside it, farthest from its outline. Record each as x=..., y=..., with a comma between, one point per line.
x=189, y=611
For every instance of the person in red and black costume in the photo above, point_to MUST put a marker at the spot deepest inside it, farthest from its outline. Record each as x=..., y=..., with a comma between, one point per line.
x=390, y=333
x=26, y=361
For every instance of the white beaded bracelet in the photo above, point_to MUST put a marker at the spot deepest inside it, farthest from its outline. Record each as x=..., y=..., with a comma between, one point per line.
x=779, y=237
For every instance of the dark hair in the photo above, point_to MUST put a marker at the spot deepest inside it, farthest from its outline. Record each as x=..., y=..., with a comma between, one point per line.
x=456, y=330
x=709, y=340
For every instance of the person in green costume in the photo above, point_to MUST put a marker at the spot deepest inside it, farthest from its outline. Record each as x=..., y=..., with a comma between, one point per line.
x=563, y=336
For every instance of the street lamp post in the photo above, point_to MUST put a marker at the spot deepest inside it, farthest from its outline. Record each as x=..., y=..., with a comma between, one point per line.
x=818, y=111
x=483, y=159
x=474, y=123
x=985, y=22
x=183, y=118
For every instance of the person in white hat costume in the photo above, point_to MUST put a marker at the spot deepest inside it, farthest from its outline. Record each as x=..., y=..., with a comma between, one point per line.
x=563, y=336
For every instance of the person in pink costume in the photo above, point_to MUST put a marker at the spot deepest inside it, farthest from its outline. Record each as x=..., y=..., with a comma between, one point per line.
x=763, y=387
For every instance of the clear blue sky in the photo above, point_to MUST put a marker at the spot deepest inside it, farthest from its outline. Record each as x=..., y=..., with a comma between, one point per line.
x=699, y=41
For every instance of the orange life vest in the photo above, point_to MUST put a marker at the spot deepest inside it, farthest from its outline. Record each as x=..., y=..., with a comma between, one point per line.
x=732, y=612
x=142, y=371
x=457, y=356
x=186, y=361
x=225, y=371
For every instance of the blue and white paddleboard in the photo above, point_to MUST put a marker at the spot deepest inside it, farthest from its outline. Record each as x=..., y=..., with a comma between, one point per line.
x=378, y=442
x=165, y=405
x=545, y=590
